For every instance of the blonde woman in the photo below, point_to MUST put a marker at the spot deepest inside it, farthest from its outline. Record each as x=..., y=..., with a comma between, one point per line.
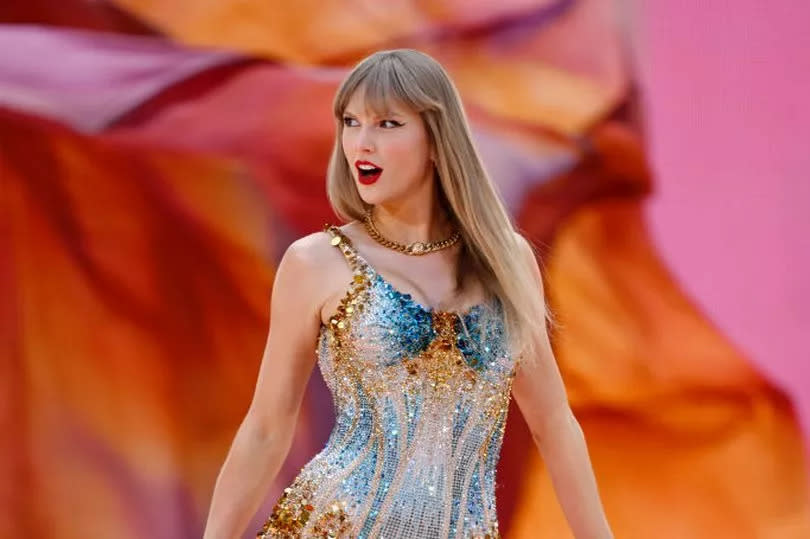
x=425, y=313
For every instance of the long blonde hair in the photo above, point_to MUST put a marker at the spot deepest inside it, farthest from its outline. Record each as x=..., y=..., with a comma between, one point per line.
x=491, y=245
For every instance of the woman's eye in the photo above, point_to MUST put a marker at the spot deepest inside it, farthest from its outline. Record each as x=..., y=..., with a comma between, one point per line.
x=348, y=121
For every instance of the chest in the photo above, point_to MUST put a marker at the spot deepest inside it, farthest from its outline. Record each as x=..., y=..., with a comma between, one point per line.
x=383, y=331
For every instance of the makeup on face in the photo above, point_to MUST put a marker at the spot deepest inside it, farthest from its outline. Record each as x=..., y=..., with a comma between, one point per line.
x=390, y=137
x=367, y=172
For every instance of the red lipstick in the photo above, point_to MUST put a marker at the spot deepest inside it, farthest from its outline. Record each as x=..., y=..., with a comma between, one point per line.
x=367, y=172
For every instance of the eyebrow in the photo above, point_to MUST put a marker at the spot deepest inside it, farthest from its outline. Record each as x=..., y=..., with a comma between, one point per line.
x=387, y=113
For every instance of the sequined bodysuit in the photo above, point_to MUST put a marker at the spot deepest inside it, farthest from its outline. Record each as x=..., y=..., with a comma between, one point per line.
x=421, y=399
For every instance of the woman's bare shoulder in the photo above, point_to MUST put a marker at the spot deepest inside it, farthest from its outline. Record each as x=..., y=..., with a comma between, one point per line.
x=313, y=254
x=315, y=268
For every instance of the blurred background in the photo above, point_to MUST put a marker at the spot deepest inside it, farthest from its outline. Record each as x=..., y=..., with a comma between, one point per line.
x=156, y=158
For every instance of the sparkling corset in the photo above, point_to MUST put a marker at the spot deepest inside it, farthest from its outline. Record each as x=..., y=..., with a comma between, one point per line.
x=421, y=398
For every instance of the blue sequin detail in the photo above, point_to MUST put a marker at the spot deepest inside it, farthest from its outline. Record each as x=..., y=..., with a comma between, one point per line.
x=391, y=436
x=462, y=412
x=408, y=325
x=347, y=450
x=357, y=486
x=475, y=500
x=413, y=408
x=480, y=344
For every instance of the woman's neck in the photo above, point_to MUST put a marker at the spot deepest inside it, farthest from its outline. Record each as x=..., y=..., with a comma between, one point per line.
x=405, y=223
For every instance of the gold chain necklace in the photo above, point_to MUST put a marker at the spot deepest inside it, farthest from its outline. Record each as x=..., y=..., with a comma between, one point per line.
x=416, y=248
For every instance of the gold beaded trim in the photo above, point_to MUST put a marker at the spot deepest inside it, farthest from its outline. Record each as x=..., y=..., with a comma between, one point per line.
x=416, y=249
x=294, y=509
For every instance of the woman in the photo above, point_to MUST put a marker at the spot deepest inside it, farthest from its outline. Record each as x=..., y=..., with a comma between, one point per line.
x=425, y=313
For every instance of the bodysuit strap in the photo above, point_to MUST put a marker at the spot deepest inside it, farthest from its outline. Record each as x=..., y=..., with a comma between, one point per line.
x=342, y=242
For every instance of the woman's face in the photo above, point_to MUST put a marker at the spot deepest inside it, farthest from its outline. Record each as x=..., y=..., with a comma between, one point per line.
x=388, y=153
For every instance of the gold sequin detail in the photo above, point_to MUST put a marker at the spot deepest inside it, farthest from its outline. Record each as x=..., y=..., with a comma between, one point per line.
x=290, y=514
x=333, y=523
x=293, y=511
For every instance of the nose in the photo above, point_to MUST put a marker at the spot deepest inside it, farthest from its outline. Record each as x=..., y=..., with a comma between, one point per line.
x=364, y=142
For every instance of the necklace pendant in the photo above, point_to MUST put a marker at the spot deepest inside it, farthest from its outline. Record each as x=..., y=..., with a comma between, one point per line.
x=417, y=248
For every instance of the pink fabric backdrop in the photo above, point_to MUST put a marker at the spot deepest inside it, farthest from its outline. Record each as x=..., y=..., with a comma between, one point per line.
x=726, y=88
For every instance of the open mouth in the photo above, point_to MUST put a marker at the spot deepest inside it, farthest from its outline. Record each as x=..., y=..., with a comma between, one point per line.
x=368, y=173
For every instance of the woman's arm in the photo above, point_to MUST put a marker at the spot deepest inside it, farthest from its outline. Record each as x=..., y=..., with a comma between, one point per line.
x=265, y=434
x=540, y=394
